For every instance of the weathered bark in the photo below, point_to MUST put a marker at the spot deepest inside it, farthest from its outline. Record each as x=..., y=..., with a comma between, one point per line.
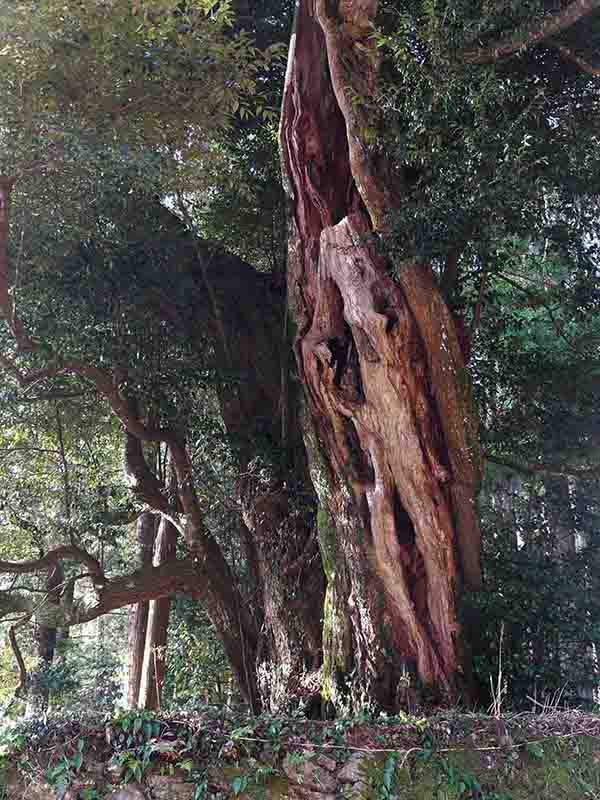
x=292, y=586
x=392, y=438
x=261, y=416
x=138, y=613
x=154, y=664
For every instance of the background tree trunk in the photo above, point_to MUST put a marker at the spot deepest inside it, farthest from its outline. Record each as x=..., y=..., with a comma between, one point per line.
x=153, y=669
x=245, y=317
x=138, y=613
x=45, y=637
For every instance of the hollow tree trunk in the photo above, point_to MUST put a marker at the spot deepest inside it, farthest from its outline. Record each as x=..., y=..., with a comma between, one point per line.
x=390, y=433
x=154, y=664
x=138, y=613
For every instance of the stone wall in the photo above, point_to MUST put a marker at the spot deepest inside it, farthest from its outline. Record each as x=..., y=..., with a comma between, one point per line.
x=303, y=775
x=472, y=757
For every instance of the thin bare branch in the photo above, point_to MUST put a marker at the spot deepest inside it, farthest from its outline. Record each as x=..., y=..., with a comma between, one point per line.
x=548, y=468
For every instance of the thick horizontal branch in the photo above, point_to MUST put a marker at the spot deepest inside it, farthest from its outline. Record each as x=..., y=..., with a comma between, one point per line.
x=186, y=576
x=50, y=559
x=520, y=40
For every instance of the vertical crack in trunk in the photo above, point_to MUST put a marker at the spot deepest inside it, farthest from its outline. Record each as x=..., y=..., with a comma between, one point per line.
x=391, y=436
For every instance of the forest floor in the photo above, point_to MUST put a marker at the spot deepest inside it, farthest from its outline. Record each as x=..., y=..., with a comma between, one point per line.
x=216, y=753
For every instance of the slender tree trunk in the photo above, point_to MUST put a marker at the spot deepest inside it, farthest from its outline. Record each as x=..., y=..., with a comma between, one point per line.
x=138, y=613
x=390, y=432
x=154, y=663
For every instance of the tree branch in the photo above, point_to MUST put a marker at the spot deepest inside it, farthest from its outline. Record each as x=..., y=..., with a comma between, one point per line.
x=585, y=66
x=12, y=638
x=550, y=469
x=52, y=558
x=188, y=575
x=521, y=40
x=143, y=481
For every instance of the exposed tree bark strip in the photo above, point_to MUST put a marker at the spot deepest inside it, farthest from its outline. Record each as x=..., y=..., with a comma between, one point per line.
x=353, y=63
x=392, y=423
x=450, y=384
x=447, y=372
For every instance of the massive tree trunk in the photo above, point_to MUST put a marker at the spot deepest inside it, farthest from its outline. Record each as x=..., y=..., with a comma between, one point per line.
x=242, y=314
x=246, y=315
x=138, y=613
x=390, y=432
